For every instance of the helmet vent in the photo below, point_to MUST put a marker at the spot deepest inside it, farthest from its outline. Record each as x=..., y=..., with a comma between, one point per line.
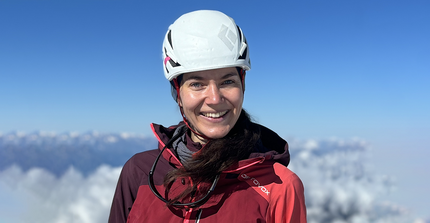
x=173, y=63
x=240, y=33
x=243, y=56
x=169, y=38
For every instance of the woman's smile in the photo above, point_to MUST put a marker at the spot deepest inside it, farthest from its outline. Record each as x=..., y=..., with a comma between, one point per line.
x=213, y=115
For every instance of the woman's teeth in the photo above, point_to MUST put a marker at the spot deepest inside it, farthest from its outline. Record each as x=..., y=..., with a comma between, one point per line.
x=214, y=115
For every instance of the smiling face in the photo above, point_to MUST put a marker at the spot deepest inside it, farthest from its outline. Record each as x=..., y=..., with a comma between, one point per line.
x=211, y=100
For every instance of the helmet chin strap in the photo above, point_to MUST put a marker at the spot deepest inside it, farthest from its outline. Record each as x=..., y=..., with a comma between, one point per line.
x=178, y=98
x=242, y=74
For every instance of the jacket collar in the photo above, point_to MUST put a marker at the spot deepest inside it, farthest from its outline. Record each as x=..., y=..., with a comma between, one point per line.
x=275, y=148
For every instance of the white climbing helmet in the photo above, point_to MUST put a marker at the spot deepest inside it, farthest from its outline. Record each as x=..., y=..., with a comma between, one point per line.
x=204, y=40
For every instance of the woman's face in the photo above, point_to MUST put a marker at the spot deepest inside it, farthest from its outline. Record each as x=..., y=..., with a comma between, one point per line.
x=211, y=101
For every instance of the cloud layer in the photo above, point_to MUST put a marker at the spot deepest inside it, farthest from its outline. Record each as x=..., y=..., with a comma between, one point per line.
x=38, y=196
x=339, y=185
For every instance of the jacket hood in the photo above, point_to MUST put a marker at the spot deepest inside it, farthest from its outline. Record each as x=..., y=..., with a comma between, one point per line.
x=272, y=147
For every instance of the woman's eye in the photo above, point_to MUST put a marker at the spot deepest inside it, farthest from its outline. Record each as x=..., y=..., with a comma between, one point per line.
x=229, y=82
x=195, y=85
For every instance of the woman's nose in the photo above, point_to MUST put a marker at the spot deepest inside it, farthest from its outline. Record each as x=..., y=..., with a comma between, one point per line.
x=214, y=95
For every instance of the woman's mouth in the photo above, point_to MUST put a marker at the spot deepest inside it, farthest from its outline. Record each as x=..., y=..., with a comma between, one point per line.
x=214, y=115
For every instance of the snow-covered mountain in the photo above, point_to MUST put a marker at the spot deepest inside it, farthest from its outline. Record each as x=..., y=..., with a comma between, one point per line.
x=57, y=152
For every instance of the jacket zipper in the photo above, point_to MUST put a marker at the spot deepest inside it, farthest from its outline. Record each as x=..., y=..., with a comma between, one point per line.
x=188, y=215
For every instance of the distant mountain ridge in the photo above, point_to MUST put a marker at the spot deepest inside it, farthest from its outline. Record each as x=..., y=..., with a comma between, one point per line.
x=58, y=152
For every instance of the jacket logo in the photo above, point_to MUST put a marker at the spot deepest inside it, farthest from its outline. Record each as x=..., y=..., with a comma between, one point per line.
x=256, y=183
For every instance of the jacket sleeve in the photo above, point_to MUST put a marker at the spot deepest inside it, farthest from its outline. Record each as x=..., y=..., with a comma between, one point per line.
x=287, y=202
x=126, y=191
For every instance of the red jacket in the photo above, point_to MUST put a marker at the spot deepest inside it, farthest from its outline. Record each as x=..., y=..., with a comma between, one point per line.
x=258, y=189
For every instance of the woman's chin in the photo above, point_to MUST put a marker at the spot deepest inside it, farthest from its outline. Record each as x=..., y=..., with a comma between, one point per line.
x=215, y=133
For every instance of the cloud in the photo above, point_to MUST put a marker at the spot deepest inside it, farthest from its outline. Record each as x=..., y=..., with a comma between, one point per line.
x=38, y=196
x=339, y=184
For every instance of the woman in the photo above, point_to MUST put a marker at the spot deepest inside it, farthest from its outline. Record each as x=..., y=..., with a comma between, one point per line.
x=216, y=165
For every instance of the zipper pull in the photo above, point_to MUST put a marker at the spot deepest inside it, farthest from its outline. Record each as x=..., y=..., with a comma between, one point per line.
x=188, y=215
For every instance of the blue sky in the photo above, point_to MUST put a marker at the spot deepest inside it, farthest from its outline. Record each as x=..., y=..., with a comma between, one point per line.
x=320, y=69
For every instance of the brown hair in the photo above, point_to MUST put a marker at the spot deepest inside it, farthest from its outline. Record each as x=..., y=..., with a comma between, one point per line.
x=216, y=156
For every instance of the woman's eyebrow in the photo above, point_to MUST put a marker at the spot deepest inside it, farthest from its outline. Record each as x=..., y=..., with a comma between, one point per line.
x=198, y=77
x=195, y=77
x=229, y=75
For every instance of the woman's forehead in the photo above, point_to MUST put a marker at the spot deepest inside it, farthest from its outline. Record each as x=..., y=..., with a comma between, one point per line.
x=221, y=73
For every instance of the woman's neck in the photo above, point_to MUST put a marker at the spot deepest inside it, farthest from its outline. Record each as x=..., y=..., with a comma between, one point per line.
x=197, y=138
